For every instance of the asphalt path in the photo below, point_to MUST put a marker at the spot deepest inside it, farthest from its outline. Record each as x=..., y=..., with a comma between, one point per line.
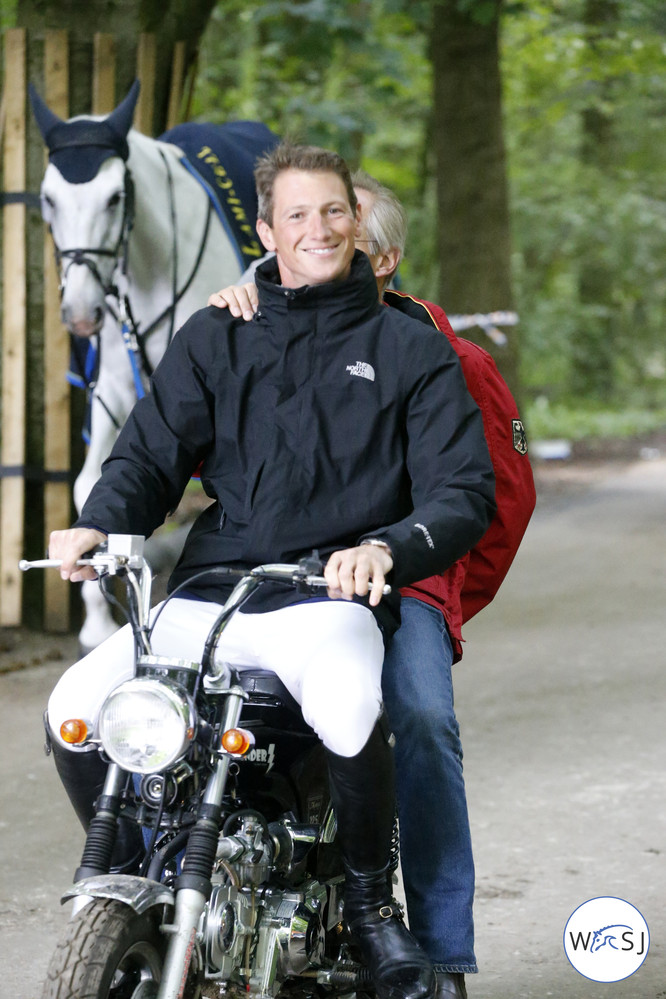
x=560, y=698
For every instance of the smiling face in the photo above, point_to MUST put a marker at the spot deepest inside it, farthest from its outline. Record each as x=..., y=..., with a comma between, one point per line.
x=313, y=227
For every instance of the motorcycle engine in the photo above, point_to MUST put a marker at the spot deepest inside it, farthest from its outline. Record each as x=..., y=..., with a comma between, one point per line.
x=255, y=934
x=259, y=936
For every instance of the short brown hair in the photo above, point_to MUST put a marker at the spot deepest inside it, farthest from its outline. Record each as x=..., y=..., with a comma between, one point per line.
x=287, y=156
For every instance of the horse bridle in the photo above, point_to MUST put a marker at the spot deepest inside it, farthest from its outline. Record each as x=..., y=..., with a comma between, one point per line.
x=135, y=339
x=82, y=255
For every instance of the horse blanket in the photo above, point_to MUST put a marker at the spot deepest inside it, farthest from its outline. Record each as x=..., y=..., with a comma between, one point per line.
x=223, y=157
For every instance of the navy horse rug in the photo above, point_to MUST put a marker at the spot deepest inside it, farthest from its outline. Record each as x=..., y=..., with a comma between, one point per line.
x=223, y=157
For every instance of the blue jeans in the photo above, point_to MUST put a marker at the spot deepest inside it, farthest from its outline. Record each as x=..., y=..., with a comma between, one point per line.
x=436, y=847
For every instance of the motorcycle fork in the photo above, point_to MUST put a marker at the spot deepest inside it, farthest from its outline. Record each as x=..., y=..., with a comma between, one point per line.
x=193, y=887
x=101, y=837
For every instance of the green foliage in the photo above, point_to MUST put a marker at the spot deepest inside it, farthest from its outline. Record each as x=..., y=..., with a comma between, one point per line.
x=355, y=75
x=305, y=68
x=576, y=423
x=571, y=212
x=349, y=75
x=7, y=14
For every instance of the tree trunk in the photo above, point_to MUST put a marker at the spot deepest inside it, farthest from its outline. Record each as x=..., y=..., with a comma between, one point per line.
x=473, y=207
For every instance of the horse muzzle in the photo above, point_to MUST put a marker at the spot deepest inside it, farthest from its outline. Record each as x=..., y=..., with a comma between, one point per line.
x=85, y=326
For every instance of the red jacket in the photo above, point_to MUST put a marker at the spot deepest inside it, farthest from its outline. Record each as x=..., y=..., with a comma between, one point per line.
x=472, y=582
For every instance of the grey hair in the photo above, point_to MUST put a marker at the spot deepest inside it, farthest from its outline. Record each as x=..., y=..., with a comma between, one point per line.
x=386, y=223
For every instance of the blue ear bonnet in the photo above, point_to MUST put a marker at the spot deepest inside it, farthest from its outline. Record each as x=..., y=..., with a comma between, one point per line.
x=78, y=148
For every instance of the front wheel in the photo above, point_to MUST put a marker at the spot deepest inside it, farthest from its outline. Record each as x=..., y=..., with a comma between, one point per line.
x=109, y=952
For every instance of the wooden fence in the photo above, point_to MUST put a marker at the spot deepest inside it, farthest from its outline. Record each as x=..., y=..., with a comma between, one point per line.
x=57, y=473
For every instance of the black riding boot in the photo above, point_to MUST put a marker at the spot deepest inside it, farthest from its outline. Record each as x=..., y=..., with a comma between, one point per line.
x=363, y=795
x=83, y=776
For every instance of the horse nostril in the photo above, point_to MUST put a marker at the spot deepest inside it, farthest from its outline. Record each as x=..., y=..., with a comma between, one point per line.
x=99, y=315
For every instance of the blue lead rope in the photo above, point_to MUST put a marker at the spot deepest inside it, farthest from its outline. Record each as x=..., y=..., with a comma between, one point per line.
x=130, y=341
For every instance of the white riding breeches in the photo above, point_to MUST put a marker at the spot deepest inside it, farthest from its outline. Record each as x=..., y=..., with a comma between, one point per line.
x=328, y=654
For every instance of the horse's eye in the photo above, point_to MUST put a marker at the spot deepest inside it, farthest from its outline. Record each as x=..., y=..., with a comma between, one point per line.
x=114, y=200
x=47, y=208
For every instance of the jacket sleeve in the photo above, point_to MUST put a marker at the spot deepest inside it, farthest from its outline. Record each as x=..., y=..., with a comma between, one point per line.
x=482, y=570
x=451, y=473
x=163, y=441
x=515, y=495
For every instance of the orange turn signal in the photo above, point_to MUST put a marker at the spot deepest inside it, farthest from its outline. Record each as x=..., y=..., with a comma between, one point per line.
x=237, y=741
x=74, y=731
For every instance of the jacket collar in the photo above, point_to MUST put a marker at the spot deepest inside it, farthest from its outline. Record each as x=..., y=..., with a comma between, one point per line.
x=343, y=302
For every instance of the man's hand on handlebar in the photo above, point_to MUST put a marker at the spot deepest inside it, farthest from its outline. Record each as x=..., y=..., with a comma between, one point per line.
x=349, y=572
x=240, y=299
x=72, y=545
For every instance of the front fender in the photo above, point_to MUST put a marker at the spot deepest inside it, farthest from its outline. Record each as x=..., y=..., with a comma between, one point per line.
x=140, y=894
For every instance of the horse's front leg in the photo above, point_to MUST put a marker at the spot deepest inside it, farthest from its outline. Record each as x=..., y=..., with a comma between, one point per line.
x=98, y=622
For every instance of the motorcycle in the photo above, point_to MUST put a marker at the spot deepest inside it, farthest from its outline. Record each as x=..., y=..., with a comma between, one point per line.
x=240, y=890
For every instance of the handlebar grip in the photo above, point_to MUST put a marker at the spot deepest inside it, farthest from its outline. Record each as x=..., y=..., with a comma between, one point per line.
x=320, y=581
x=49, y=563
x=40, y=563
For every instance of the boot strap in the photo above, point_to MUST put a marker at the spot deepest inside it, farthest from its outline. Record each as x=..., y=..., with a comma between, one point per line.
x=376, y=916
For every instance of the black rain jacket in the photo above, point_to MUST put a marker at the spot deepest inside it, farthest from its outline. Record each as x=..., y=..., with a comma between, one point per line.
x=327, y=419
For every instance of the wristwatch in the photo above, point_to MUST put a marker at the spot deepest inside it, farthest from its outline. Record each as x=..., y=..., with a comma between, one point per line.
x=378, y=544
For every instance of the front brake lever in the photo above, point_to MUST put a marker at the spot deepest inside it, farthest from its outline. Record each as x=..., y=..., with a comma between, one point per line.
x=311, y=565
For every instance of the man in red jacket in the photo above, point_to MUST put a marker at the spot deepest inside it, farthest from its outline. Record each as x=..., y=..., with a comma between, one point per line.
x=436, y=849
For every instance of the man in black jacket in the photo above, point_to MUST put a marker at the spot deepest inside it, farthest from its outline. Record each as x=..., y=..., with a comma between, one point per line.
x=339, y=425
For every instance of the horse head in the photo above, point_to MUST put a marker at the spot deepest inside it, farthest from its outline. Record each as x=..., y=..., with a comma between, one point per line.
x=87, y=201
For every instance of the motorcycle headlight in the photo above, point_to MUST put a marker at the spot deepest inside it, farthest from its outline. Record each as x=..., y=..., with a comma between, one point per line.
x=146, y=725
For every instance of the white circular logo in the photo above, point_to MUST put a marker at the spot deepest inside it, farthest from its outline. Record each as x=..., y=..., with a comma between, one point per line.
x=606, y=939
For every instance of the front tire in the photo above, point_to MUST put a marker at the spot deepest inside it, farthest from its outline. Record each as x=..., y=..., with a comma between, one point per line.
x=109, y=952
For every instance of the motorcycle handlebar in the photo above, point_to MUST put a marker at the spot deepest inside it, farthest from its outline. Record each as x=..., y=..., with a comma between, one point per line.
x=99, y=561
x=297, y=574
x=283, y=572
x=50, y=563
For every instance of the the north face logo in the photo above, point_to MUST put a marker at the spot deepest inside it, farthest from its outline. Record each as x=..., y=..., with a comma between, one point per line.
x=362, y=369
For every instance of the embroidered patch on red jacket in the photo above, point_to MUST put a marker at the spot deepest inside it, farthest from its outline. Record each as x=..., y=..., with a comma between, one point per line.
x=519, y=436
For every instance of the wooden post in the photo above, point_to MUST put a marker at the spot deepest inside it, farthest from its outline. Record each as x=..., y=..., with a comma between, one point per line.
x=104, y=74
x=12, y=450
x=2, y=118
x=176, y=88
x=145, y=70
x=57, y=450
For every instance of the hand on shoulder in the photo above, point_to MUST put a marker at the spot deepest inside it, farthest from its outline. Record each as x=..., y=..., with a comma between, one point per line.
x=241, y=300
